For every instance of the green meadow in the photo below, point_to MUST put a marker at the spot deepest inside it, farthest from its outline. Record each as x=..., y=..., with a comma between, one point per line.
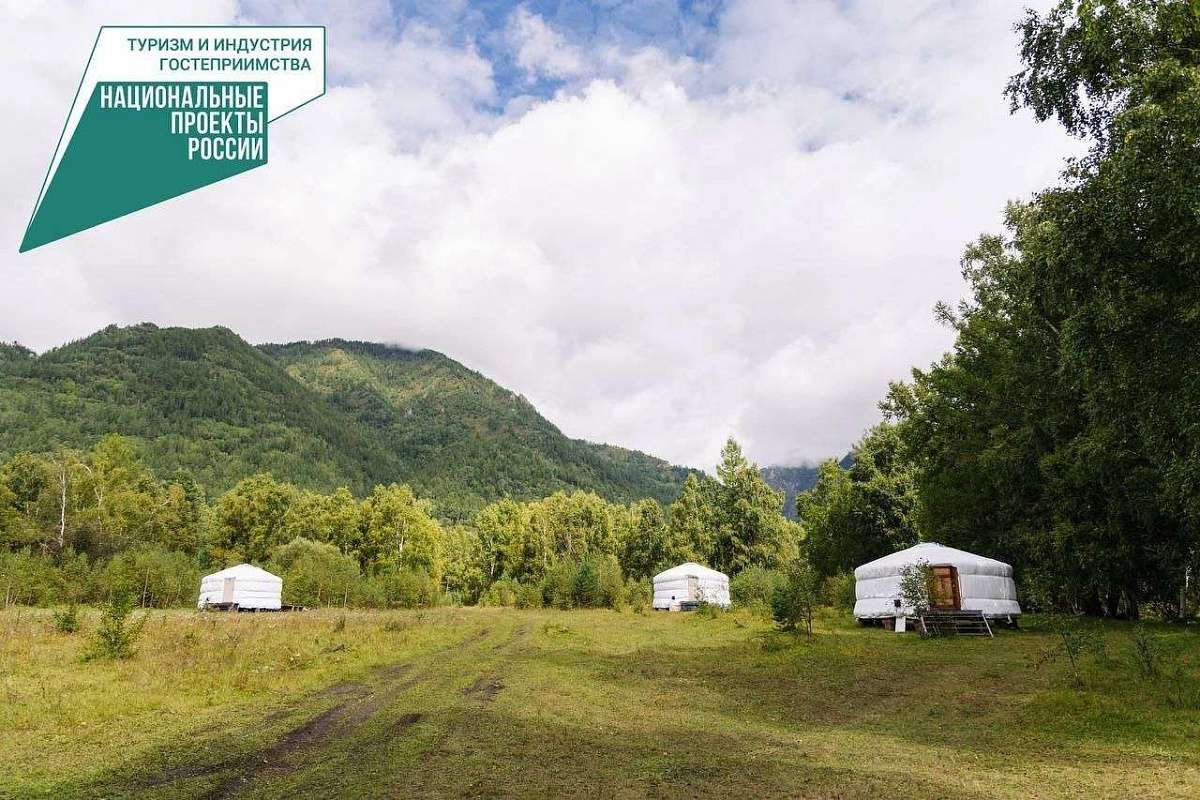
x=498, y=702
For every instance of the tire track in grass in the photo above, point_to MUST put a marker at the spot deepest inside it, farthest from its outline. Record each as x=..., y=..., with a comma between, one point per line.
x=363, y=701
x=358, y=701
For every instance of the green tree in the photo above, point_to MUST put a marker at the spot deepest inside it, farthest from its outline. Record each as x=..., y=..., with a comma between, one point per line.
x=315, y=573
x=400, y=532
x=28, y=500
x=463, y=574
x=1063, y=431
x=852, y=516
x=251, y=519
x=503, y=529
x=751, y=528
x=649, y=547
x=573, y=524
x=334, y=518
x=693, y=520
x=795, y=598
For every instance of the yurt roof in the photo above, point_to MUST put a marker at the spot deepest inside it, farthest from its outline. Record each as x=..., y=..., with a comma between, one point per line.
x=245, y=571
x=689, y=569
x=933, y=554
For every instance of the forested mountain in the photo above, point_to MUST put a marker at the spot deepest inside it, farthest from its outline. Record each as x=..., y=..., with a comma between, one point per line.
x=791, y=481
x=794, y=480
x=458, y=435
x=318, y=415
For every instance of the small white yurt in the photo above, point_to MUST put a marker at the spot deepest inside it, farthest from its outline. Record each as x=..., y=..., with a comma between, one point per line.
x=690, y=583
x=966, y=582
x=243, y=586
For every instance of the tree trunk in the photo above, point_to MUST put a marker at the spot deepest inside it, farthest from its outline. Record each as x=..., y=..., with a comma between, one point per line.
x=1092, y=605
x=62, y=513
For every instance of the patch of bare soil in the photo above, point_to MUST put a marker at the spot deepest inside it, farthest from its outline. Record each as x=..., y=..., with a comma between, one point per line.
x=407, y=721
x=485, y=688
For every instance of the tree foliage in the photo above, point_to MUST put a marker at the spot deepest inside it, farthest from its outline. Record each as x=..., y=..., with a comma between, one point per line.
x=1062, y=433
x=857, y=514
x=86, y=526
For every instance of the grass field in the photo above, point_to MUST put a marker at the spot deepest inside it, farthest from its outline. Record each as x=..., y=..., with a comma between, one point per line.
x=500, y=702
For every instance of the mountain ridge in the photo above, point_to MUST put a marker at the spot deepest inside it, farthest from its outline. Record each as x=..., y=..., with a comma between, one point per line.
x=318, y=413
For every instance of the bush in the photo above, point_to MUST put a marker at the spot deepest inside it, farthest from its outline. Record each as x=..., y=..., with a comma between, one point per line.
x=917, y=587
x=838, y=591
x=612, y=583
x=1072, y=640
x=28, y=578
x=558, y=586
x=150, y=576
x=116, y=635
x=755, y=587
x=315, y=573
x=529, y=596
x=639, y=595
x=67, y=619
x=407, y=588
x=585, y=586
x=796, y=597
x=501, y=593
x=599, y=583
x=1145, y=653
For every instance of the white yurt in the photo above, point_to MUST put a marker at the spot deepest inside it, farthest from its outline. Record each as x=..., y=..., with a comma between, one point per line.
x=967, y=583
x=243, y=586
x=690, y=583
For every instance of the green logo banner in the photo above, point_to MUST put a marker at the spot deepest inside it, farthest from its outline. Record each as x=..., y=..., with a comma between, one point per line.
x=129, y=144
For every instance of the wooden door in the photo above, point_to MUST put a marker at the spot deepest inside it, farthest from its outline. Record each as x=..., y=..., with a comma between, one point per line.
x=693, y=589
x=227, y=590
x=944, y=592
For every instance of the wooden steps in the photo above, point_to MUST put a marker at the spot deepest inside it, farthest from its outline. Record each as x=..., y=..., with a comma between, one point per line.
x=955, y=623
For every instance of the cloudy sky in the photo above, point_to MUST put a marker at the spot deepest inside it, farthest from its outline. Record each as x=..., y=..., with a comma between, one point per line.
x=662, y=222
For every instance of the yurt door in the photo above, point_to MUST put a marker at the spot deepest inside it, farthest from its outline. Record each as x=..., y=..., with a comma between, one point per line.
x=944, y=592
x=693, y=589
x=227, y=590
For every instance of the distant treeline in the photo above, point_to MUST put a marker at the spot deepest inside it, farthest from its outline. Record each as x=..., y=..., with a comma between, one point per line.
x=81, y=525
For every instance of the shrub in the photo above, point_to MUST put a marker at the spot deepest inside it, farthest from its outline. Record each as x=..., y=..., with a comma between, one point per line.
x=407, y=588
x=529, y=596
x=558, y=586
x=838, y=591
x=315, y=573
x=501, y=593
x=67, y=620
x=116, y=635
x=917, y=587
x=368, y=593
x=610, y=582
x=585, y=586
x=27, y=578
x=1145, y=653
x=755, y=586
x=795, y=598
x=150, y=576
x=639, y=595
x=1072, y=640
x=75, y=579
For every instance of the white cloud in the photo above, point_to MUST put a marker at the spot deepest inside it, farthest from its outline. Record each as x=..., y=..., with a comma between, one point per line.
x=665, y=253
x=540, y=50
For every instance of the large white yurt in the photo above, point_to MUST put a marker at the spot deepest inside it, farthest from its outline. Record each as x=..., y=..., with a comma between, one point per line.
x=966, y=582
x=243, y=586
x=690, y=583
